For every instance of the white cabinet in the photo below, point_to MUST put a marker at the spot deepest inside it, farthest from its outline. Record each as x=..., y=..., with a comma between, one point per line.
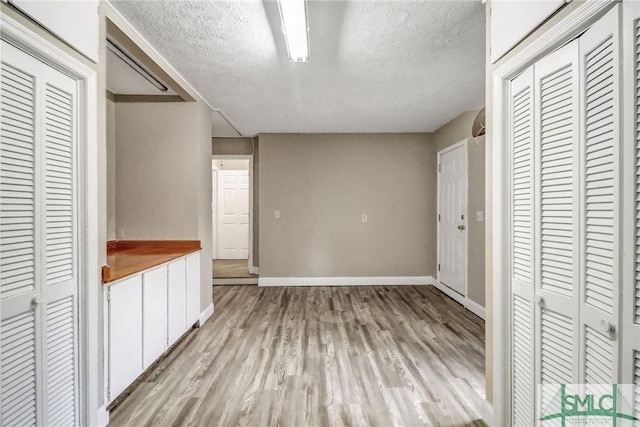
x=75, y=22
x=154, y=316
x=193, y=288
x=146, y=314
x=125, y=333
x=177, y=299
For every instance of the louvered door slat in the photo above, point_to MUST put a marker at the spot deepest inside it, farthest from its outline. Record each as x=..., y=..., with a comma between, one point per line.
x=17, y=147
x=59, y=186
x=557, y=115
x=599, y=166
x=18, y=370
x=61, y=353
x=521, y=140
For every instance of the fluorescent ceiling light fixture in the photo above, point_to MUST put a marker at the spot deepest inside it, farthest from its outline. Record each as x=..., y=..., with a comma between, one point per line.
x=130, y=61
x=293, y=14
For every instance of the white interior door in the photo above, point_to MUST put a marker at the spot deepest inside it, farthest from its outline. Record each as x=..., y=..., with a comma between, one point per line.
x=38, y=255
x=233, y=214
x=452, y=207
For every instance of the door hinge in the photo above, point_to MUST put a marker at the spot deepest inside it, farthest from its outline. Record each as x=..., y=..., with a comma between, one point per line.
x=438, y=267
x=439, y=168
x=108, y=394
x=108, y=295
x=438, y=217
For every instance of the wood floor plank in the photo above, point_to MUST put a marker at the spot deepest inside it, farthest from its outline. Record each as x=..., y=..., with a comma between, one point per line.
x=320, y=356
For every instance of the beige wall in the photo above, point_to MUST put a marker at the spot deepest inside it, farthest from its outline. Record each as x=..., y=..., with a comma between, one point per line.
x=231, y=146
x=323, y=183
x=453, y=132
x=163, y=185
x=231, y=164
x=111, y=169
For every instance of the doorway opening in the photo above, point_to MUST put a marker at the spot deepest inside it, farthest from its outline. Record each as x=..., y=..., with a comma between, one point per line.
x=232, y=216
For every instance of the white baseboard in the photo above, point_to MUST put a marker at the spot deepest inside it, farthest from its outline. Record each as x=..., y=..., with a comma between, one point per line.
x=206, y=314
x=345, y=281
x=102, y=417
x=472, y=306
x=487, y=413
x=475, y=308
x=236, y=281
x=254, y=270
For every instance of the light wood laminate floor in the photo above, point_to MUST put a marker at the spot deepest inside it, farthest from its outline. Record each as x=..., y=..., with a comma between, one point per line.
x=231, y=268
x=320, y=356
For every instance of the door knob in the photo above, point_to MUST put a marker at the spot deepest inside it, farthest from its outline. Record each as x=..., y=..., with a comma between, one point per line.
x=607, y=327
x=461, y=227
x=36, y=301
x=538, y=299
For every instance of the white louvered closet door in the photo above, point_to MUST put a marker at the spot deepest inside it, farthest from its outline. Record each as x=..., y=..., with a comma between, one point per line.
x=600, y=198
x=556, y=215
x=630, y=357
x=521, y=112
x=38, y=255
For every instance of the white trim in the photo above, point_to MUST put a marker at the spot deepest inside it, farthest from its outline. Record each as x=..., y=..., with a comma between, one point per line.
x=460, y=299
x=254, y=270
x=475, y=308
x=346, y=281
x=102, y=417
x=487, y=413
x=88, y=207
x=461, y=144
x=564, y=31
x=235, y=281
x=472, y=306
x=206, y=314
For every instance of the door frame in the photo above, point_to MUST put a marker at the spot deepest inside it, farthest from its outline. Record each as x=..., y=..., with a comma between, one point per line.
x=462, y=299
x=90, y=245
x=240, y=157
x=498, y=267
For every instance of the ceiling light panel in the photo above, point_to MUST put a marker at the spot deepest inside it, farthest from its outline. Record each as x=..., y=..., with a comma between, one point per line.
x=293, y=14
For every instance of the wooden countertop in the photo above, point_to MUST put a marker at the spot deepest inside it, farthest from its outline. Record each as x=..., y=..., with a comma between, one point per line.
x=127, y=257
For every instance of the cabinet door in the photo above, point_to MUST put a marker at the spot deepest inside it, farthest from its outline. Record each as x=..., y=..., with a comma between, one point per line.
x=177, y=300
x=125, y=334
x=193, y=288
x=154, y=314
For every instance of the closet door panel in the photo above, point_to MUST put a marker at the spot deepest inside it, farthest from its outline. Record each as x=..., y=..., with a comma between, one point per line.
x=20, y=339
x=38, y=255
x=600, y=166
x=630, y=322
x=557, y=211
x=521, y=114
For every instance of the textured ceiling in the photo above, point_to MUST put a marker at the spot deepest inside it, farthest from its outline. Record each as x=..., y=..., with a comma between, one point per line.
x=376, y=66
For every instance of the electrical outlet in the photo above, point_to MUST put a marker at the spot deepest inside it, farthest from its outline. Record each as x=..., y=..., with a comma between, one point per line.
x=480, y=216
x=277, y=214
x=364, y=218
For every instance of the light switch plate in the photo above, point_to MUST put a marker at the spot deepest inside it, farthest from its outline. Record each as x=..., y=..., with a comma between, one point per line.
x=364, y=217
x=277, y=214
